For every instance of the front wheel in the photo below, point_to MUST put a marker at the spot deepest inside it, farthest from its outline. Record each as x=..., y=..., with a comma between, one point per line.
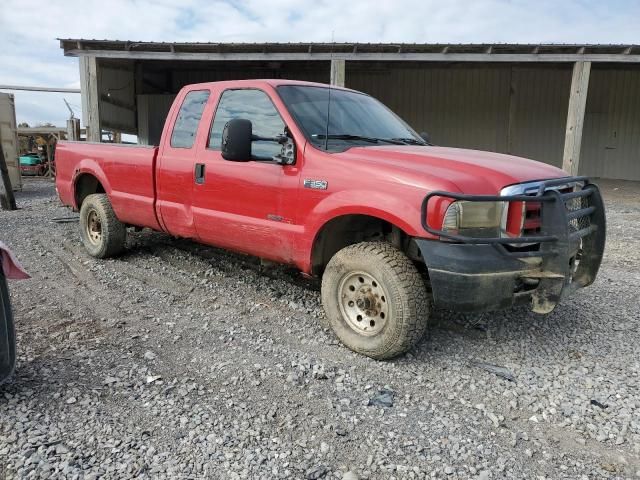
x=375, y=299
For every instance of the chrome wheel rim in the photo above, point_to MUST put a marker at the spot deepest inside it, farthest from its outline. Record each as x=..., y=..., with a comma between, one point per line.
x=364, y=303
x=94, y=228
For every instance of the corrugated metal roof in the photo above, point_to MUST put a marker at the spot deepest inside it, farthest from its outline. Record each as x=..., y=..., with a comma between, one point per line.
x=76, y=44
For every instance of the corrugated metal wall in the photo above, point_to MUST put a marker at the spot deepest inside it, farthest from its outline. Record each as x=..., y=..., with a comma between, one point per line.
x=9, y=139
x=116, y=86
x=152, y=112
x=469, y=106
x=463, y=107
x=515, y=109
x=611, y=136
x=519, y=108
x=540, y=100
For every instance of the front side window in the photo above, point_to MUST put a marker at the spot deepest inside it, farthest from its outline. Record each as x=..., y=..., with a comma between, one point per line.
x=253, y=105
x=186, y=126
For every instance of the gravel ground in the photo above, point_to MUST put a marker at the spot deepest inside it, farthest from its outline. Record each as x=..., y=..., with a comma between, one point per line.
x=181, y=361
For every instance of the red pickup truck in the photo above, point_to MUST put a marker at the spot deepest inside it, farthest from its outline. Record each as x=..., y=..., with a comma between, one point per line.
x=331, y=181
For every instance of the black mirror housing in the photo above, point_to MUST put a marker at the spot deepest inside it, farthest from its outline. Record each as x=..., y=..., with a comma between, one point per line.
x=236, y=140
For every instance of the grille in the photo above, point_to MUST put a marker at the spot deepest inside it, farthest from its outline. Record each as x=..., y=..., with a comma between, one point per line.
x=532, y=219
x=576, y=202
x=574, y=205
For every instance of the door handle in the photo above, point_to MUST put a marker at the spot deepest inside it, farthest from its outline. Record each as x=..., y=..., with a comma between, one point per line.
x=199, y=173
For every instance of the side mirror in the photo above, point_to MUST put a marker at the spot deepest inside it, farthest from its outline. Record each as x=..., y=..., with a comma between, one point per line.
x=236, y=140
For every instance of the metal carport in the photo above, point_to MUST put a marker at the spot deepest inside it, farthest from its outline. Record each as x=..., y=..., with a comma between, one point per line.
x=574, y=106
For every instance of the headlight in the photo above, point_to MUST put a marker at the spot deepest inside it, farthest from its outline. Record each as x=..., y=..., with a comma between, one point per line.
x=474, y=219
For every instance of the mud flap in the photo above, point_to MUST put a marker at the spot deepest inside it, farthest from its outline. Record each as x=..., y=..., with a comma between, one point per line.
x=558, y=278
x=547, y=295
x=593, y=244
x=555, y=256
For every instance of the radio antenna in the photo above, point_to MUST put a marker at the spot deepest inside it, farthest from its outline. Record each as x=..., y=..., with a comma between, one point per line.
x=331, y=75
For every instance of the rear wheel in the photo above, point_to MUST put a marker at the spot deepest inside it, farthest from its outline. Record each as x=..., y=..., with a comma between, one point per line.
x=103, y=235
x=375, y=299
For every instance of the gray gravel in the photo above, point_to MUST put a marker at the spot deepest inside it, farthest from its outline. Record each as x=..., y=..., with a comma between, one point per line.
x=182, y=361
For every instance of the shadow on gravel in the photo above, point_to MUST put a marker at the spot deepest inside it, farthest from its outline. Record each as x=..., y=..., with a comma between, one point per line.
x=35, y=189
x=158, y=244
x=47, y=374
x=520, y=332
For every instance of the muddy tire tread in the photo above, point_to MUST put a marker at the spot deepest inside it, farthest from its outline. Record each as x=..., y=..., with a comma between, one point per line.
x=407, y=277
x=113, y=230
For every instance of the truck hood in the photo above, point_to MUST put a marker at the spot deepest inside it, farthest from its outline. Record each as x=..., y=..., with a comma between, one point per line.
x=468, y=171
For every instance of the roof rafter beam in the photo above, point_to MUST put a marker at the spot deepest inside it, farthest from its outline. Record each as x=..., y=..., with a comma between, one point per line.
x=117, y=103
x=443, y=56
x=39, y=89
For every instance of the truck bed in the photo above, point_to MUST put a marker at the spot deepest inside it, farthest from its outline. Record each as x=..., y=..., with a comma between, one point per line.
x=126, y=173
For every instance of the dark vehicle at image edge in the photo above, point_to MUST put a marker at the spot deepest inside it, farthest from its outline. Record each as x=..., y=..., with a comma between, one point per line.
x=9, y=269
x=363, y=201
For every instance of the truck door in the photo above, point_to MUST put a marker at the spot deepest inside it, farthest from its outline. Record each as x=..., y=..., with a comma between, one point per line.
x=246, y=206
x=174, y=173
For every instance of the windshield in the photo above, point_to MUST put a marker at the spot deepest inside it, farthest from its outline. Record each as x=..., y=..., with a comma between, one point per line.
x=354, y=118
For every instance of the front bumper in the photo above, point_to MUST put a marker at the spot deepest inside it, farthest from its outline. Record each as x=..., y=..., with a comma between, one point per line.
x=475, y=274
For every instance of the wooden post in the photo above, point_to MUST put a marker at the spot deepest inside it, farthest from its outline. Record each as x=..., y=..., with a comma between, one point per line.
x=575, y=117
x=73, y=129
x=90, y=97
x=7, y=200
x=337, y=72
x=49, y=158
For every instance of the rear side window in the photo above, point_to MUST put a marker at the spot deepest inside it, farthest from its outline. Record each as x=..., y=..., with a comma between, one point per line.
x=186, y=126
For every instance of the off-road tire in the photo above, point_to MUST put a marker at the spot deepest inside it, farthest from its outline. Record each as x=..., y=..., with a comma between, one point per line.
x=113, y=232
x=408, y=304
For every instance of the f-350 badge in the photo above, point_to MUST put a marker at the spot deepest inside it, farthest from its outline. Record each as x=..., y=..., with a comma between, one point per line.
x=315, y=184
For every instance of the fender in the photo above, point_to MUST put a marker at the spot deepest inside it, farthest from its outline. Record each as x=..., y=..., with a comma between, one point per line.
x=91, y=167
x=403, y=214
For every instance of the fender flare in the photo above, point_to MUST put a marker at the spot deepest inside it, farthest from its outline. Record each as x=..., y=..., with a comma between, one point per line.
x=89, y=166
x=344, y=203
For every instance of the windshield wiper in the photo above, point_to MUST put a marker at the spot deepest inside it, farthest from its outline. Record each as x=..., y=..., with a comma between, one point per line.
x=346, y=136
x=411, y=141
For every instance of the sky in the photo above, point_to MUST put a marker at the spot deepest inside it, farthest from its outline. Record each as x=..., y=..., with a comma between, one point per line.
x=31, y=55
